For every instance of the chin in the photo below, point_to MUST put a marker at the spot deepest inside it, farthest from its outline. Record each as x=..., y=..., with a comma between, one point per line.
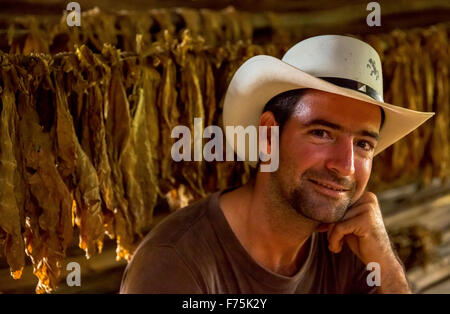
x=317, y=207
x=325, y=220
x=323, y=214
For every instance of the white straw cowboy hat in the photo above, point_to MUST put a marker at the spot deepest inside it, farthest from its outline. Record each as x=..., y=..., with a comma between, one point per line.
x=337, y=64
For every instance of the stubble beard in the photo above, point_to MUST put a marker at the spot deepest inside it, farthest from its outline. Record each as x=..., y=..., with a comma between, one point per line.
x=302, y=198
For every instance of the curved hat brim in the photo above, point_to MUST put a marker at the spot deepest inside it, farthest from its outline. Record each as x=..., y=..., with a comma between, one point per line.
x=262, y=77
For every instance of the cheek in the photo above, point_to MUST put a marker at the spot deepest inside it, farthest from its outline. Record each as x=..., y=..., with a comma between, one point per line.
x=363, y=167
x=309, y=153
x=301, y=156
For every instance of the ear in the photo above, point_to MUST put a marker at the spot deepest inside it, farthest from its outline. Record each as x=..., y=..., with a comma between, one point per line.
x=267, y=119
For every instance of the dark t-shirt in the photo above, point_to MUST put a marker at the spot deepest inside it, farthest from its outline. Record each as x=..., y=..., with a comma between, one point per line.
x=194, y=250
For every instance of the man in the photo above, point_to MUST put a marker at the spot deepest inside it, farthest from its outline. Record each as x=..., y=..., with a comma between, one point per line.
x=309, y=226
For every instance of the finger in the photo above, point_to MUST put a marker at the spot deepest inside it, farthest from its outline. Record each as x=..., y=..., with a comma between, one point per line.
x=340, y=230
x=355, y=213
x=330, y=230
x=369, y=202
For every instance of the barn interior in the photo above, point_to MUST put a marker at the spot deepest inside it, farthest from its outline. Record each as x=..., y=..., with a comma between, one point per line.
x=87, y=112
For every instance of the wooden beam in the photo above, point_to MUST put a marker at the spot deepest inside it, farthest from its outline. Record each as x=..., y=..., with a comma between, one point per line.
x=421, y=278
x=306, y=18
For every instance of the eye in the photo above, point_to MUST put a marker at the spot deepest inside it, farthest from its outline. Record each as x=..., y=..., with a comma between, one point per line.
x=320, y=133
x=366, y=145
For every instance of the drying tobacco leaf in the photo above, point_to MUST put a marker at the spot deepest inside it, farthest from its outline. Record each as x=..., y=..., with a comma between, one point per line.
x=145, y=135
x=93, y=119
x=87, y=210
x=150, y=82
x=192, y=74
x=10, y=218
x=136, y=161
x=55, y=201
x=47, y=190
x=88, y=214
x=64, y=131
x=117, y=126
x=169, y=115
x=34, y=236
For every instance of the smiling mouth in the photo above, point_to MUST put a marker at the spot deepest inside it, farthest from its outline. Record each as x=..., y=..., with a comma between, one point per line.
x=329, y=186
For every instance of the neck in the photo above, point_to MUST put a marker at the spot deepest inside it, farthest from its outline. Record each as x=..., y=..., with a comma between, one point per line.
x=272, y=232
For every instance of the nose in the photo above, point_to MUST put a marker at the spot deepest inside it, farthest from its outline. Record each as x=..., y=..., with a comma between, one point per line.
x=341, y=159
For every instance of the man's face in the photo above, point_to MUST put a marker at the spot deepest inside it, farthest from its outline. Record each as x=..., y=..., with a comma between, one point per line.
x=326, y=151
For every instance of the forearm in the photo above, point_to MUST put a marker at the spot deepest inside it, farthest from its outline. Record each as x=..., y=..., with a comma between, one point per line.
x=393, y=278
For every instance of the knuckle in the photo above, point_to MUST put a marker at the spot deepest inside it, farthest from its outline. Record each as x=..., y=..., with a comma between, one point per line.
x=373, y=215
x=371, y=196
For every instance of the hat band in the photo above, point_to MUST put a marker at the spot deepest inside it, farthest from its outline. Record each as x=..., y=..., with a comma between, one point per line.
x=355, y=85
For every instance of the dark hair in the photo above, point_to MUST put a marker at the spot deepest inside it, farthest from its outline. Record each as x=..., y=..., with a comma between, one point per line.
x=283, y=105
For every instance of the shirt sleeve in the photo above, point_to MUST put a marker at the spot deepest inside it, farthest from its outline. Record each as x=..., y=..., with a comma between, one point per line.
x=158, y=269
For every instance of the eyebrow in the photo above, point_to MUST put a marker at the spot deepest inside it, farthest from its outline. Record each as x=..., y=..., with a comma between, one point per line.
x=335, y=126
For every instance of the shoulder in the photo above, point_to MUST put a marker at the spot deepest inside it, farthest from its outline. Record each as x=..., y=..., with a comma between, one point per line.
x=159, y=270
x=162, y=263
x=178, y=225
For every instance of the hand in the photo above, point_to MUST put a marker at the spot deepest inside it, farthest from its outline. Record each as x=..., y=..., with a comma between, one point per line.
x=362, y=228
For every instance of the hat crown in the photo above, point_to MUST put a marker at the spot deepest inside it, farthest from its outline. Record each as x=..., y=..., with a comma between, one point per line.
x=336, y=56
